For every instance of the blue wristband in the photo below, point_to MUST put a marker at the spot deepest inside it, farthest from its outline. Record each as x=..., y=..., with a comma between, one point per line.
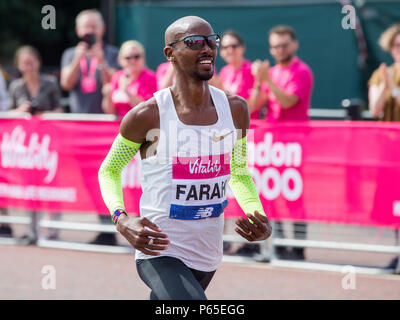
x=116, y=215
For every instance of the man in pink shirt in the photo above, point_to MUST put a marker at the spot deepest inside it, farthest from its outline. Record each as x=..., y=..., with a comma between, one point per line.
x=286, y=89
x=287, y=86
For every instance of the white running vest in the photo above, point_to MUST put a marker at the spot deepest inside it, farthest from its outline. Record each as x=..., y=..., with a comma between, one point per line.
x=184, y=184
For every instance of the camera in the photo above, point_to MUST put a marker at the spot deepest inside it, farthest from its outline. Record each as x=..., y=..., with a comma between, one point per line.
x=90, y=39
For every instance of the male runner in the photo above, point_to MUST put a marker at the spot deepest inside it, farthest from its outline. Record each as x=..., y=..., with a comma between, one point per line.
x=192, y=141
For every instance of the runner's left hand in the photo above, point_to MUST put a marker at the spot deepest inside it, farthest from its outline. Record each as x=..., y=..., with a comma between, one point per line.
x=257, y=231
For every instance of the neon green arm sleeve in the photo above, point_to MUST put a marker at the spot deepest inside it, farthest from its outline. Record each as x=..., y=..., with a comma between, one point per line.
x=121, y=153
x=241, y=182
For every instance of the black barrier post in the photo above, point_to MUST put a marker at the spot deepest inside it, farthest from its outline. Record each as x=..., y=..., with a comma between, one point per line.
x=354, y=108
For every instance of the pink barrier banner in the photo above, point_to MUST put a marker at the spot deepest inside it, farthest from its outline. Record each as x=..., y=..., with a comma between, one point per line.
x=316, y=171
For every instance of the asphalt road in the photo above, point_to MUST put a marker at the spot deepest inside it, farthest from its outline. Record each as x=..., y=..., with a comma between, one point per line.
x=30, y=272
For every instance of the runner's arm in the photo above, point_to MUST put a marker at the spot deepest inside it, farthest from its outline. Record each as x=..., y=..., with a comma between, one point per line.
x=241, y=181
x=121, y=153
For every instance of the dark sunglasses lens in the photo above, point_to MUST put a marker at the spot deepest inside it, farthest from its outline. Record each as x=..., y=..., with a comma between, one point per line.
x=213, y=41
x=194, y=42
x=197, y=42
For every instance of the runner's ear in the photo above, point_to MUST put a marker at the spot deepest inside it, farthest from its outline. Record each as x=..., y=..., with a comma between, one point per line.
x=168, y=53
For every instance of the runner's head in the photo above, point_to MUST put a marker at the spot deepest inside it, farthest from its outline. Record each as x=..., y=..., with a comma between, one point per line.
x=191, y=46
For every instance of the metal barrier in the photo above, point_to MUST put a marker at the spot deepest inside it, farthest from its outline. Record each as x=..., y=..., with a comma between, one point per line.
x=267, y=248
x=333, y=245
x=94, y=227
x=14, y=220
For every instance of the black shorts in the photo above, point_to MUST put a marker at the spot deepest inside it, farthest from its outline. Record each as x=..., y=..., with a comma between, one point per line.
x=170, y=279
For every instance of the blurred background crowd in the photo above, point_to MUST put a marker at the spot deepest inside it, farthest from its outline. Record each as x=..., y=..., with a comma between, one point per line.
x=342, y=60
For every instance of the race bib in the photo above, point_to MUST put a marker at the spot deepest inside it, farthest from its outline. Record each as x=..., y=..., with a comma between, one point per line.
x=199, y=186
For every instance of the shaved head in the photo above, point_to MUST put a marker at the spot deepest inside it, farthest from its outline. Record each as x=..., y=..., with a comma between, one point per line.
x=194, y=63
x=183, y=26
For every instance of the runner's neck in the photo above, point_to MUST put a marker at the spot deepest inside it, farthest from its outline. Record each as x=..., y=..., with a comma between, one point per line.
x=191, y=94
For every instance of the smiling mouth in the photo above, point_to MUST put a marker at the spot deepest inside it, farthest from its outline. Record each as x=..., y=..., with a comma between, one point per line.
x=205, y=60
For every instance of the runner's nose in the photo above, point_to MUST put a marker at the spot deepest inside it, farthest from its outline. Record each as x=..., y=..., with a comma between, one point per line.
x=206, y=50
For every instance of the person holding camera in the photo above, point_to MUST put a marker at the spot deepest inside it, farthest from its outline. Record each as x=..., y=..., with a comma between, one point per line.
x=89, y=65
x=85, y=69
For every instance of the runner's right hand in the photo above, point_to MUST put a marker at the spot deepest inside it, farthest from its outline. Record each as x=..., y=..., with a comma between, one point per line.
x=139, y=230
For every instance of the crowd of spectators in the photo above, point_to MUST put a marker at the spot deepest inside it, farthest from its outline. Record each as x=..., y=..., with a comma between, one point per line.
x=101, y=78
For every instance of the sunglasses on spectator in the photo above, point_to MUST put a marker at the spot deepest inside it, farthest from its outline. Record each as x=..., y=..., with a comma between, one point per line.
x=233, y=46
x=281, y=46
x=135, y=57
x=197, y=42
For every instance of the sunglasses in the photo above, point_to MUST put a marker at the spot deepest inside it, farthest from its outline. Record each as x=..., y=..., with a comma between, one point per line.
x=135, y=57
x=233, y=46
x=197, y=42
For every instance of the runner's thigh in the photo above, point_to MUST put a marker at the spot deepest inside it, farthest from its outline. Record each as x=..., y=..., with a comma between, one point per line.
x=169, y=279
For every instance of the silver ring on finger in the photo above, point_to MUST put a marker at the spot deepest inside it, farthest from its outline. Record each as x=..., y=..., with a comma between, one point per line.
x=151, y=241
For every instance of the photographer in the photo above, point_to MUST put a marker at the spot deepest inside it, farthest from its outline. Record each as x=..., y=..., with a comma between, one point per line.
x=88, y=66
x=85, y=69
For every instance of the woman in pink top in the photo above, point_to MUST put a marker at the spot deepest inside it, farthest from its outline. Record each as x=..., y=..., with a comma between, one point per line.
x=132, y=85
x=165, y=75
x=236, y=77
